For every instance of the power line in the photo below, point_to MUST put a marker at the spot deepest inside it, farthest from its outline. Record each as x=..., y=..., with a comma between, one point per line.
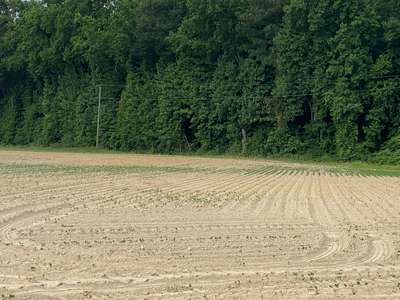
x=365, y=90
x=205, y=98
x=300, y=78
x=111, y=85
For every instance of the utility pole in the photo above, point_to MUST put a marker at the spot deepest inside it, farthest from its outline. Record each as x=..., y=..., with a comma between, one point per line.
x=98, y=118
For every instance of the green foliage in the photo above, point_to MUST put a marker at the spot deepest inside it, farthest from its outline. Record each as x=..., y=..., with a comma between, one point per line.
x=280, y=77
x=390, y=153
x=136, y=112
x=280, y=142
x=8, y=123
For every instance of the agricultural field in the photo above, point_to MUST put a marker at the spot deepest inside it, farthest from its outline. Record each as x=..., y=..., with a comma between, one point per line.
x=121, y=226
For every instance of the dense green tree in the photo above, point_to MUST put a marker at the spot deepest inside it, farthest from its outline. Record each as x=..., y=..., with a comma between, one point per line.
x=327, y=64
x=244, y=76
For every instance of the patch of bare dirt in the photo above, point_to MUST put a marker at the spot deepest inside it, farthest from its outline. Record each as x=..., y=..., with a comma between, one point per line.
x=277, y=233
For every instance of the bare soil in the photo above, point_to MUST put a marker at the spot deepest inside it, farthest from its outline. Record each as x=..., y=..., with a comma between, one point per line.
x=193, y=228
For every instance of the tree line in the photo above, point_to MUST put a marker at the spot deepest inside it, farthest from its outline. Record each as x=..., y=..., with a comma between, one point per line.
x=260, y=77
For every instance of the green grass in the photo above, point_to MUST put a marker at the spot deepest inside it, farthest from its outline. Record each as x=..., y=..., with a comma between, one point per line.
x=370, y=169
x=15, y=168
x=354, y=167
x=58, y=149
x=328, y=164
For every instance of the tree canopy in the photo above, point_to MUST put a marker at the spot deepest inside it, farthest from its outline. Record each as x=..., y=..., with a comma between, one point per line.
x=245, y=76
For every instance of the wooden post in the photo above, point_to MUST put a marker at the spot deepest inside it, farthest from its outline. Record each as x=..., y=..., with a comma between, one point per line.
x=98, y=118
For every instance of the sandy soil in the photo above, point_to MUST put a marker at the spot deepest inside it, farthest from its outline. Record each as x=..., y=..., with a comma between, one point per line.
x=220, y=229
